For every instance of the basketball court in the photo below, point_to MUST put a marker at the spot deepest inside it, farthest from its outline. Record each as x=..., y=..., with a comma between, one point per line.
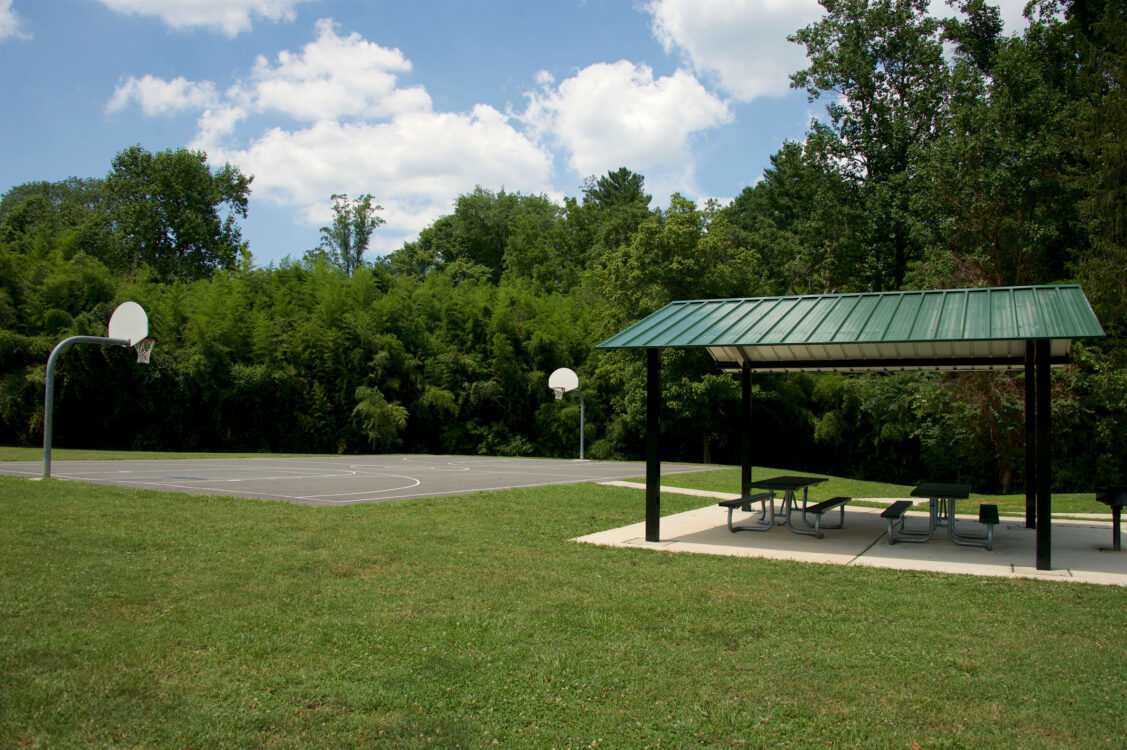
x=341, y=480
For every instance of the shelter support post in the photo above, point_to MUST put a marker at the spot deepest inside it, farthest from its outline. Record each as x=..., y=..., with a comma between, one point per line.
x=1044, y=460
x=1030, y=435
x=745, y=430
x=653, y=456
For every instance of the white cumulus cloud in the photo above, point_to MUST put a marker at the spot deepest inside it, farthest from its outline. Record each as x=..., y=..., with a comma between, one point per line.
x=228, y=17
x=333, y=117
x=334, y=77
x=1011, y=11
x=415, y=165
x=742, y=43
x=11, y=24
x=610, y=115
x=336, y=116
x=158, y=97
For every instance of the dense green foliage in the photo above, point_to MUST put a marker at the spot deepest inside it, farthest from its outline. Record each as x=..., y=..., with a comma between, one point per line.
x=998, y=163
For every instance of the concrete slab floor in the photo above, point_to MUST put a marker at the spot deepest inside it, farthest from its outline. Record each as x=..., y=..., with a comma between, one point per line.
x=1078, y=552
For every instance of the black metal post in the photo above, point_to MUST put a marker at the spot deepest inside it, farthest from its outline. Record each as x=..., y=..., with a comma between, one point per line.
x=745, y=430
x=1116, y=511
x=1044, y=460
x=653, y=456
x=1030, y=436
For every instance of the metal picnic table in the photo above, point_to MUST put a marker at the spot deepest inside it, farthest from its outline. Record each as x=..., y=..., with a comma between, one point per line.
x=789, y=485
x=941, y=504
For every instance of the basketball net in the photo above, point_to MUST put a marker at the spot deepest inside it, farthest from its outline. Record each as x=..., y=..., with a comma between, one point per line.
x=559, y=393
x=144, y=348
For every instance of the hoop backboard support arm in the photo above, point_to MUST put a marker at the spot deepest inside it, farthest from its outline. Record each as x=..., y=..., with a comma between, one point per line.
x=128, y=326
x=49, y=397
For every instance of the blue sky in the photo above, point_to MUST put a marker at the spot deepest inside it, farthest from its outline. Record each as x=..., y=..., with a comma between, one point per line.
x=415, y=102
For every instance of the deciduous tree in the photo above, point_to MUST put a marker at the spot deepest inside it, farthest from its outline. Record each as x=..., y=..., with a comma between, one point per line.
x=346, y=240
x=170, y=211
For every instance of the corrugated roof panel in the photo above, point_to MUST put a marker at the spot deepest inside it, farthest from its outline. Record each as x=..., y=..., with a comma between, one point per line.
x=927, y=319
x=976, y=323
x=1026, y=313
x=1051, y=321
x=1003, y=323
x=642, y=333
x=751, y=310
x=678, y=331
x=841, y=307
x=877, y=324
x=715, y=322
x=771, y=314
x=858, y=317
x=781, y=331
x=813, y=320
x=974, y=328
x=1081, y=309
x=952, y=317
x=900, y=328
x=1075, y=311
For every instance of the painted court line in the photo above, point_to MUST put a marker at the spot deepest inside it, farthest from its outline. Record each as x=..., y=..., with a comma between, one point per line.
x=341, y=480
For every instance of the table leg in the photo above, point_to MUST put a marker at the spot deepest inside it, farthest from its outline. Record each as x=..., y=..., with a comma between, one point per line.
x=942, y=518
x=790, y=508
x=765, y=522
x=959, y=537
x=1115, y=514
x=907, y=535
x=788, y=500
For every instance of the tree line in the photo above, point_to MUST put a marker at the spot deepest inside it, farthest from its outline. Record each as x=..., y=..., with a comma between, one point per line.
x=951, y=156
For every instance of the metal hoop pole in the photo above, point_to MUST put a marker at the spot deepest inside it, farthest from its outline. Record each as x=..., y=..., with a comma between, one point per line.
x=582, y=416
x=49, y=396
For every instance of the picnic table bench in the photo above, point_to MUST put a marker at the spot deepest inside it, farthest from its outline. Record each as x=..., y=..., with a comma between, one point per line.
x=941, y=506
x=744, y=504
x=818, y=510
x=766, y=501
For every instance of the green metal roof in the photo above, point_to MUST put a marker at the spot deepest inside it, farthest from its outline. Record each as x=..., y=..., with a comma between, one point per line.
x=945, y=329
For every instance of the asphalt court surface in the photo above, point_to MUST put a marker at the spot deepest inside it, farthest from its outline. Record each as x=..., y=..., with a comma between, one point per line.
x=341, y=480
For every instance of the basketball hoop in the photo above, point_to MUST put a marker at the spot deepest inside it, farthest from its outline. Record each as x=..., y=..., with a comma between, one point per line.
x=561, y=381
x=144, y=348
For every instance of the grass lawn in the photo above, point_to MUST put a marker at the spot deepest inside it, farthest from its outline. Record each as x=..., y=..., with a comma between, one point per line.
x=136, y=618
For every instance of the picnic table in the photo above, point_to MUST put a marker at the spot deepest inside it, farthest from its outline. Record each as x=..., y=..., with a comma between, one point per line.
x=789, y=485
x=941, y=498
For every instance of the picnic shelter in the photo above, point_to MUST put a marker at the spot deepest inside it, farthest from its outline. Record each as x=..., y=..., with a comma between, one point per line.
x=1029, y=328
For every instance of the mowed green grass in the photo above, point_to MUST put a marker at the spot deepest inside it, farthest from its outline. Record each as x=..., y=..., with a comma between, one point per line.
x=134, y=618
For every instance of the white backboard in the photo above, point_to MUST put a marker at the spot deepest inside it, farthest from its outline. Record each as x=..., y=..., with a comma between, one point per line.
x=129, y=322
x=563, y=378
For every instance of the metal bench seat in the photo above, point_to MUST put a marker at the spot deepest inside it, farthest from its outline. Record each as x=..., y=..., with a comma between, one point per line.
x=766, y=520
x=818, y=511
